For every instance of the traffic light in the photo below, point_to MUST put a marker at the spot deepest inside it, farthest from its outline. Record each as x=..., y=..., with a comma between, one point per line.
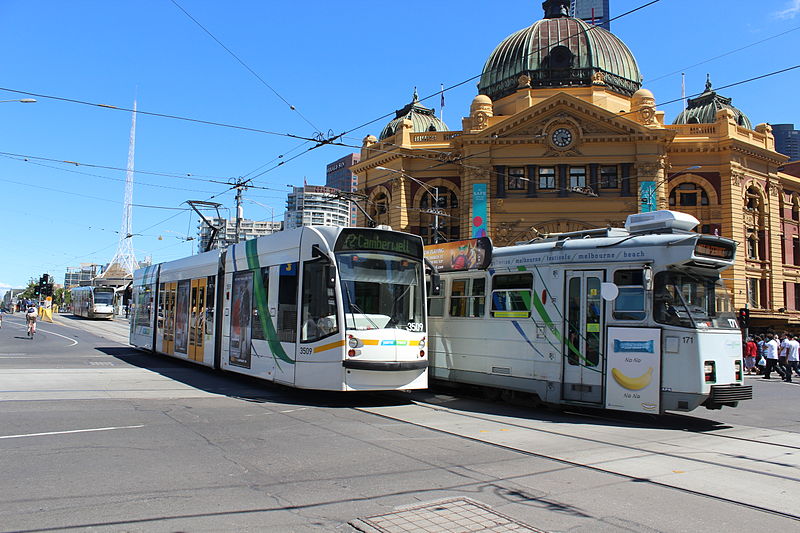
x=744, y=317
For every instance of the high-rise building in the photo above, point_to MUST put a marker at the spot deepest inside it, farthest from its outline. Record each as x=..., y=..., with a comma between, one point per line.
x=592, y=11
x=787, y=140
x=339, y=176
x=312, y=205
x=81, y=275
x=248, y=229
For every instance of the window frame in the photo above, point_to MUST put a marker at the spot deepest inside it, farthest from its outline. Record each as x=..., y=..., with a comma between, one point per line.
x=509, y=291
x=541, y=174
x=516, y=179
x=474, y=305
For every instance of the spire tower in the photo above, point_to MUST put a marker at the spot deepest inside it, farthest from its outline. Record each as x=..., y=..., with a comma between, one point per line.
x=124, y=263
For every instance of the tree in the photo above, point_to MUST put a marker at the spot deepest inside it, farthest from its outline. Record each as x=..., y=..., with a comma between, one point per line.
x=30, y=290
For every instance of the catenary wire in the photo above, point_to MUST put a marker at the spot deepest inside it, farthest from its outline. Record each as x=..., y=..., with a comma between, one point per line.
x=247, y=67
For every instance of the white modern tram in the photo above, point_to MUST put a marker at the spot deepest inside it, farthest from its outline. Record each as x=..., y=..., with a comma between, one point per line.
x=633, y=319
x=93, y=302
x=326, y=308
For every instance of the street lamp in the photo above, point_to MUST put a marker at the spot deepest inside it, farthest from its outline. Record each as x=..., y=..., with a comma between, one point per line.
x=648, y=197
x=21, y=100
x=433, y=192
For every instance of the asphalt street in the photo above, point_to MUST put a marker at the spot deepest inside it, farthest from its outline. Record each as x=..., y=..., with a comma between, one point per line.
x=96, y=436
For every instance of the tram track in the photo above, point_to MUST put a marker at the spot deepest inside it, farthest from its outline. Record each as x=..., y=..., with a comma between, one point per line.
x=689, y=455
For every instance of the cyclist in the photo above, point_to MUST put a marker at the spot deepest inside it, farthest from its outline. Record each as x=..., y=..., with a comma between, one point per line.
x=30, y=318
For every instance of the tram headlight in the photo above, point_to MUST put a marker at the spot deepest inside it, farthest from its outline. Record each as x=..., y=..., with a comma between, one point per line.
x=422, y=343
x=353, y=342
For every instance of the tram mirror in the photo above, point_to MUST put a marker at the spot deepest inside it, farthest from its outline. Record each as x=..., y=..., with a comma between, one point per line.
x=330, y=276
x=609, y=291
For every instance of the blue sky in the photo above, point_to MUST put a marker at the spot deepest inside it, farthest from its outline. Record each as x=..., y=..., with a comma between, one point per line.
x=341, y=64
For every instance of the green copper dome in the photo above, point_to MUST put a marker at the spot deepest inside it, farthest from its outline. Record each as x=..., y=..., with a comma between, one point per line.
x=703, y=109
x=560, y=51
x=422, y=119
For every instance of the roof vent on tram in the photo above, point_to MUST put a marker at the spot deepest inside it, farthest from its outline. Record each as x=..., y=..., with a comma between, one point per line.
x=660, y=222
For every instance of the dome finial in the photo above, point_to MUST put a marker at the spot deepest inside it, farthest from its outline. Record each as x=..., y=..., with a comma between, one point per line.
x=415, y=98
x=554, y=9
x=708, y=83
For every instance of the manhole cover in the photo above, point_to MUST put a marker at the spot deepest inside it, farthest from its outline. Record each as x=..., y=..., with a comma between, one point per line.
x=454, y=515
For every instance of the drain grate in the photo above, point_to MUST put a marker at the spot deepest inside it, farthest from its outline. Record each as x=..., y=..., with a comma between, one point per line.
x=455, y=515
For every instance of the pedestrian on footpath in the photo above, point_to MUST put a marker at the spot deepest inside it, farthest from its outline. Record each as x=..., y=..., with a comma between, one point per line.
x=771, y=346
x=783, y=353
x=750, y=354
x=792, y=358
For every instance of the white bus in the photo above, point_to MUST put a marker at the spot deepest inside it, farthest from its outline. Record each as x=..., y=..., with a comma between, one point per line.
x=93, y=302
x=325, y=308
x=633, y=319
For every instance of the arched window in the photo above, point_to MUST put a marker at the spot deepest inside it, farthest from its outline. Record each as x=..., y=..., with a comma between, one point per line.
x=795, y=207
x=378, y=208
x=449, y=228
x=688, y=195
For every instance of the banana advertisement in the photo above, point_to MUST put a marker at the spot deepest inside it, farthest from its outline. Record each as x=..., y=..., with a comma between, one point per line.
x=633, y=376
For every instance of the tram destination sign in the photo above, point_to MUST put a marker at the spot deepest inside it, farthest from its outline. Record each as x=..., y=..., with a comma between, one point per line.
x=368, y=240
x=717, y=250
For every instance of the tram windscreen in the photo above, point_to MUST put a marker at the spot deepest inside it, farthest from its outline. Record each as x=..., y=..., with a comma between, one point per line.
x=103, y=297
x=689, y=300
x=381, y=291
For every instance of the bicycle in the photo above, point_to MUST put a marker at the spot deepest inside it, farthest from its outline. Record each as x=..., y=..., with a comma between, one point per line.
x=31, y=328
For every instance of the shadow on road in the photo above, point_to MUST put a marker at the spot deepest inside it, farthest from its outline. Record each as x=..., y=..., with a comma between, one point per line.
x=245, y=387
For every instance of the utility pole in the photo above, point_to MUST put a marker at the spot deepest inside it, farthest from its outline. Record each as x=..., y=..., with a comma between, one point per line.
x=239, y=212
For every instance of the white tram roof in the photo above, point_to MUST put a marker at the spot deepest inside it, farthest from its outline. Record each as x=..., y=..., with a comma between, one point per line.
x=659, y=237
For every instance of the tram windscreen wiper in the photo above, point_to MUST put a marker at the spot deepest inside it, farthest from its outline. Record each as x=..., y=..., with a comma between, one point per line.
x=353, y=307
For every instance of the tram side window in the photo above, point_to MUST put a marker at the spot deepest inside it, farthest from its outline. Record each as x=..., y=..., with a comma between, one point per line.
x=511, y=295
x=436, y=303
x=468, y=297
x=629, y=304
x=211, y=297
x=319, y=302
x=287, y=303
x=162, y=294
x=260, y=293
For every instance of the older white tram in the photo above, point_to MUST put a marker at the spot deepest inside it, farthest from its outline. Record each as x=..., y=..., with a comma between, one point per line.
x=93, y=302
x=323, y=308
x=633, y=319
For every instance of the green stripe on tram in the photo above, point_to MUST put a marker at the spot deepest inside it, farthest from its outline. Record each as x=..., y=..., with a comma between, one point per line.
x=537, y=303
x=260, y=294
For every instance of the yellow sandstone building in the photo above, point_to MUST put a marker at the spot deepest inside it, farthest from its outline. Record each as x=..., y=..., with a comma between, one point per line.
x=562, y=137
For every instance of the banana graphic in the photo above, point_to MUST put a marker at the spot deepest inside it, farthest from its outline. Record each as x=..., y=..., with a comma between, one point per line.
x=633, y=383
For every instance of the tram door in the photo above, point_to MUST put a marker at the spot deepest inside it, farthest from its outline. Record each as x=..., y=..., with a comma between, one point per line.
x=170, y=292
x=197, y=313
x=583, y=337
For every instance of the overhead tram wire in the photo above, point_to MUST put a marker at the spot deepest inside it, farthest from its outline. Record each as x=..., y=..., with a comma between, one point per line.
x=250, y=70
x=72, y=171
x=35, y=186
x=730, y=52
x=319, y=141
x=185, y=176
x=160, y=115
x=331, y=139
